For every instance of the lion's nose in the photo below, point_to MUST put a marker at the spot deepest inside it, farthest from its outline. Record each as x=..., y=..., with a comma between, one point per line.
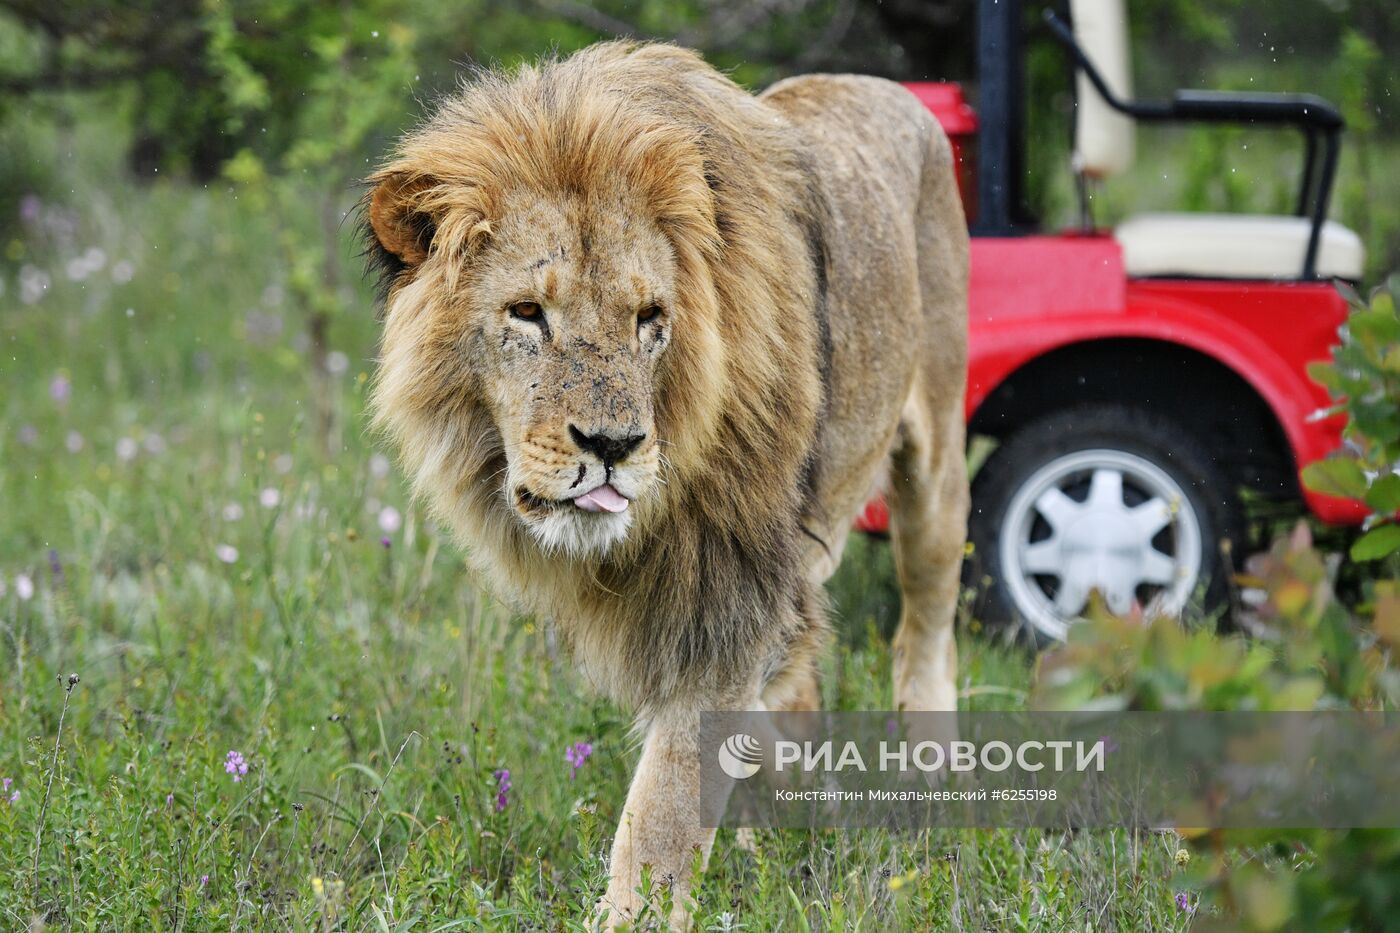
x=609, y=448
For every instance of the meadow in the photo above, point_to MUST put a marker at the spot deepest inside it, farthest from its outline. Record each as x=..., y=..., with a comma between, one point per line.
x=245, y=684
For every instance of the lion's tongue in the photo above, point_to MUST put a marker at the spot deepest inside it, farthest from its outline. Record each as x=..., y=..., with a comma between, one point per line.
x=602, y=499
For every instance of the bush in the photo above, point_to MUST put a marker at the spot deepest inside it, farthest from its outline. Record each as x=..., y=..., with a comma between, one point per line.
x=1364, y=376
x=1300, y=648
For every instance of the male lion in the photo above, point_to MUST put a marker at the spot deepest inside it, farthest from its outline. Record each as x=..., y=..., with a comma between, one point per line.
x=650, y=342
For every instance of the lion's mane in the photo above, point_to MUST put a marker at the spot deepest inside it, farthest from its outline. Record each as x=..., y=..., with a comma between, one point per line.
x=702, y=584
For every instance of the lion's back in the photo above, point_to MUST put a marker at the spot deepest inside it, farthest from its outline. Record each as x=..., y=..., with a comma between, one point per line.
x=862, y=128
x=896, y=241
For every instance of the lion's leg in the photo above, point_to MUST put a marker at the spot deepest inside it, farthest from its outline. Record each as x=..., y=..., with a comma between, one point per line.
x=928, y=525
x=661, y=820
x=660, y=824
x=928, y=483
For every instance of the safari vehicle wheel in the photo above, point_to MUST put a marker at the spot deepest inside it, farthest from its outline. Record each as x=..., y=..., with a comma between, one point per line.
x=1106, y=498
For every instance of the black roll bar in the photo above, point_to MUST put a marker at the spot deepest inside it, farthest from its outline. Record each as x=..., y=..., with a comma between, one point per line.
x=1001, y=107
x=1315, y=117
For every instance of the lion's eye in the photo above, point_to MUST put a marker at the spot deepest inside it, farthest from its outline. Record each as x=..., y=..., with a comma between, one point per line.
x=527, y=311
x=648, y=314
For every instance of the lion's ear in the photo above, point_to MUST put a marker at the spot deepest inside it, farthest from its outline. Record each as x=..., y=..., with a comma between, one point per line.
x=398, y=218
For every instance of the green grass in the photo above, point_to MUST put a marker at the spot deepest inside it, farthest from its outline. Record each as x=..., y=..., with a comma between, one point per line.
x=372, y=689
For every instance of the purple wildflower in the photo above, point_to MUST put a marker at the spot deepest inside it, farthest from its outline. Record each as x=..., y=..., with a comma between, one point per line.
x=60, y=389
x=1183, y=903
x=169, y=800
x=5, y=784
x=502, y=788
x=236, y=764
x=576, y=754
x=203, y=880
x=386, y=542
x=14, y=798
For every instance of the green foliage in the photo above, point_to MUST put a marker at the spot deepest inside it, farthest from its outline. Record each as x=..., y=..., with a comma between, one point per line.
x=206, y=80
x=1364, y=377
x=1361, y=81
x=1305, y=651
x=1212, y=181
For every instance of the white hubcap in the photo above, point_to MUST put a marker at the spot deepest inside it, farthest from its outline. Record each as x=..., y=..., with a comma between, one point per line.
x=1099, y=520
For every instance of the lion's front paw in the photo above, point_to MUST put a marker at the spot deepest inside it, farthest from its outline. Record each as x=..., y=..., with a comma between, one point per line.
x=609, y=916
x=630, y=911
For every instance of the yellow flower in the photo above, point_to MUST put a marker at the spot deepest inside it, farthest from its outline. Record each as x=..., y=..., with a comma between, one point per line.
x=899, y=881
x=1182, y=857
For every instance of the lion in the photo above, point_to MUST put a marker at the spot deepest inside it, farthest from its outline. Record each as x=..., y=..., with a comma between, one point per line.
x=649, y=344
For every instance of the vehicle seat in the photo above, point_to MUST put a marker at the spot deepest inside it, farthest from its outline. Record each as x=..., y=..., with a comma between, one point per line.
x=1232, y=246
x=1235, y=246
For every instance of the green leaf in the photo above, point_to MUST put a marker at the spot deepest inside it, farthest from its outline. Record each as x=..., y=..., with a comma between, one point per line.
x=802, y=922
x=1338, y=476
x=1349, y=293
x=1325, y=374
x=1390, y=362
x=1376, y=325
x=1378, y=420
x=1377, y=543
x=1384, y=494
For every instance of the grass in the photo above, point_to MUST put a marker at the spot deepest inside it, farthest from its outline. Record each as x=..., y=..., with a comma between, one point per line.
x=219, y=583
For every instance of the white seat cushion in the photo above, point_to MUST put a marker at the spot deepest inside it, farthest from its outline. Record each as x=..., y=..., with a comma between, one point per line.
x=1235, y=246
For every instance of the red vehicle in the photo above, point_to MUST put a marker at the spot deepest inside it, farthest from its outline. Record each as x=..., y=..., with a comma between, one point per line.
x=1135, y=379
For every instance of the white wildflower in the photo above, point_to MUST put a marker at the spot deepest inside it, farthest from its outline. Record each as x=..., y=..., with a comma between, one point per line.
x=390, y=520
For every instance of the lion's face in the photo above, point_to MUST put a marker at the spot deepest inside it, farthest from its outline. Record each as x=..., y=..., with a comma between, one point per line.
x=552, y=254
x=556, y=325
x=571, y=324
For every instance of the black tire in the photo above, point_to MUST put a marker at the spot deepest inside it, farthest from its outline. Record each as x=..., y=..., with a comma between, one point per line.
x=1135, y=432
